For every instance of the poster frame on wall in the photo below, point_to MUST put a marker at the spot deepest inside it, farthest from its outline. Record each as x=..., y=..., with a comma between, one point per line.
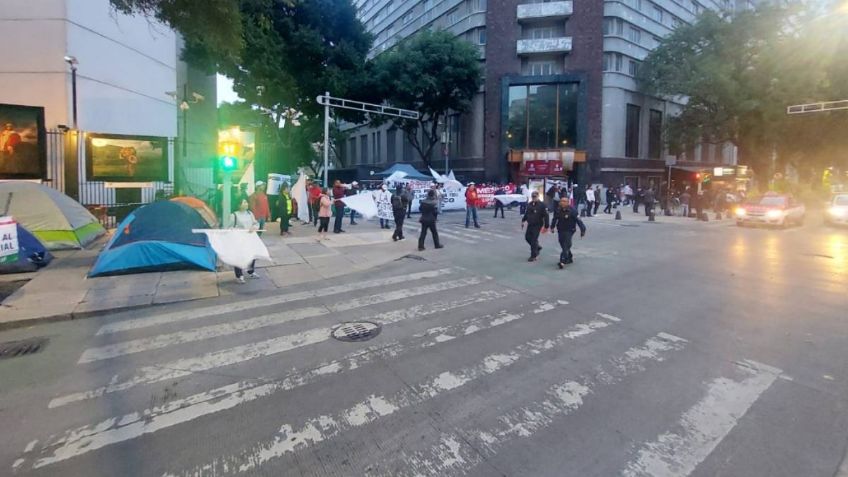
x=89, y=163
x=38, y=112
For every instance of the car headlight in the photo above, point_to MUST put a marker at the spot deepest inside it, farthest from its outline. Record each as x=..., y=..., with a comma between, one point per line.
x=774, y=214
x=740, y=212
x=838, y=211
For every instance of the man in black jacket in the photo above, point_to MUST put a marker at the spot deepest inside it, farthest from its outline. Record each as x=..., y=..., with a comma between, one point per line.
x=429, y=209
x=399, y=206
x=566, y=220
x=537, y=220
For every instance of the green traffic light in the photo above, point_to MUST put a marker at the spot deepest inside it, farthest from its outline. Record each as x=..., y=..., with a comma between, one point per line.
x=228, y=163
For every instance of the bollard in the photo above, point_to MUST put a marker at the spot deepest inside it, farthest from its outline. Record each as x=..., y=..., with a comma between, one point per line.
x=582, y=212
x=705, y=217
x=651, y=217
x=617, y=215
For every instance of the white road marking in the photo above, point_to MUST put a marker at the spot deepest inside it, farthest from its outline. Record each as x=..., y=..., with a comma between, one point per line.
x=485, y=232
x=239, y=354
x=448, y=458
x=324, y=427
x=609, y=317
x=224, y=329
x=460, y=230
x=207, y=311
x=449, y=235
x=118, y=429
x=702, y=427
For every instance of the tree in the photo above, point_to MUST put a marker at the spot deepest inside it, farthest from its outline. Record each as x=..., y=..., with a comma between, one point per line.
x=432, y=72
x=214, y=23
x=737, y=74
x=292, y=53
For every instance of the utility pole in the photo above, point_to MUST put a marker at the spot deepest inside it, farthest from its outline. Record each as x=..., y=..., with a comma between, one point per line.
x=72, y=62
x=326, y=136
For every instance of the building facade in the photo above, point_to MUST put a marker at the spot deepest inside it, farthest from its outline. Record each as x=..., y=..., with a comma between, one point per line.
x=559, y=86
x=129, y=81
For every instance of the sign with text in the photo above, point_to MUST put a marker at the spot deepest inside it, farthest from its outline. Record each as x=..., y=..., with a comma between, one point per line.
x=8, y=240
x=544, y=168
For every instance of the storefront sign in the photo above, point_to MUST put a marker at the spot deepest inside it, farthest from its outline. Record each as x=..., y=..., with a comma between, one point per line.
x=543, y=168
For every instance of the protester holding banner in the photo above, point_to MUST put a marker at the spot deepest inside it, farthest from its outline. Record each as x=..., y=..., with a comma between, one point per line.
x=243, y=218
x=429, y=212
x=471, y=203
x=383, y=198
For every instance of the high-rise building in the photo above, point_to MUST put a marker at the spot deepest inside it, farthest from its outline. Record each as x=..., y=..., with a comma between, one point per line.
x=559, y=87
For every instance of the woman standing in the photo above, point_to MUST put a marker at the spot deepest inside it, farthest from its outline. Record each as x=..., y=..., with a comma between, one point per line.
x=324, y=213
x=284, y=209
x=243, y=219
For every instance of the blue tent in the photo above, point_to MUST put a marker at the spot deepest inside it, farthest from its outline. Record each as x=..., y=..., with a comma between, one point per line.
x=32, y=254
x=157, y=237
x=411, y=172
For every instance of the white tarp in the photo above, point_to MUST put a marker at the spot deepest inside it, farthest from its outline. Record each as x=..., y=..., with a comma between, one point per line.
x=510, y=198
x=362, y=203
x=299, y=194
x=236, y=247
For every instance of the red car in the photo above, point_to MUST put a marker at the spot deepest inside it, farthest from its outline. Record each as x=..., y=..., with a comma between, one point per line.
x=771, y=209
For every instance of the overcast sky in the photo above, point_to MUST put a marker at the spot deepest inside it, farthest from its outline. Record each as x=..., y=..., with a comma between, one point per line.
x=225, y=90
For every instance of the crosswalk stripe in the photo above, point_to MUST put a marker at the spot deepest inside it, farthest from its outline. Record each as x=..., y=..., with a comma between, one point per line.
x=213, y=331
x=375, y=407
x=215, y=310
x=485, y=232
x=441, y=232
x=466, y=448
x=703, y=426
x=467, y=234
x=186, y=366
x=81, y=440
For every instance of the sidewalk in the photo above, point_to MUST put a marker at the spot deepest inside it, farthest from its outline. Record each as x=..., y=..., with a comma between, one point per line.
x=61, y=291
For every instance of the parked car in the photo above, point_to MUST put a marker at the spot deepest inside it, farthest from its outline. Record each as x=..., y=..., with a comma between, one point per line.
x=774, y=209
x=837, y=212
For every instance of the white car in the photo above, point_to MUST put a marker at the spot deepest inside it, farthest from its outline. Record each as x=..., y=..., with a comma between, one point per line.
x=772, y=209
x=837, y=213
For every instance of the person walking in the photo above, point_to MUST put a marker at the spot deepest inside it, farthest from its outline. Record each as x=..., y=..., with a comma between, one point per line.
x=324, y=204
x=429, y=209
x=285, y=207
x=629, y=195
x=566, y=220
x=610, y=197
x=498, y=204
x=684, y=199
x=243, y=218
x=590, y=200
x=383, y=198
x=597, y=200
x=259, y=206
x=471, y=202
x=399, y=208
x=338, y=205
x=637, y=197
x=537, y=221
x=315, y=192
x=648, y=198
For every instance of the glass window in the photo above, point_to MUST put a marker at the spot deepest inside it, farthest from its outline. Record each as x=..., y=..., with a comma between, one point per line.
x=567, y=119
x=619, y=27
x=481, y=5
x=634, y=34
x=609, y=26
x=391, y=144
x=607, y=61
x=658, y=14
x=631, y=140
x=516, y=129
x=481, y=36
x=539, y=68
x=453, y=16
x=407, y=18
x=618, y=62
x=655, y=119
x=633, y=67
x=542, y=111
x=428, y=5
x=378, y=145
x=637, y=4
x=363, y=158
x=352, y=151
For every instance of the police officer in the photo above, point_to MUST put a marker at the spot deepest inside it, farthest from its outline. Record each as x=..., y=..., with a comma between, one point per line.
x=566, y=220
x=537, y=220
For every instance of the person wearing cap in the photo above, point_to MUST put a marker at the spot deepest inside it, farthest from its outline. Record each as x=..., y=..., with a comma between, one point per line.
x=258, y=202
x=537, y=220
x=471, y=202
x=566, y=220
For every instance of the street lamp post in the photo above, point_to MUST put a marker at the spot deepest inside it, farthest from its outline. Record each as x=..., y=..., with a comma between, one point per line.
x=72, y=62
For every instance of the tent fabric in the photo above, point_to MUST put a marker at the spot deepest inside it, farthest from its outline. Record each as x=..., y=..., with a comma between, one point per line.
x=201, y=207
x=411, y=172
x=299, y=194
x=32, y=254
x=57, y=220
x=157, y=237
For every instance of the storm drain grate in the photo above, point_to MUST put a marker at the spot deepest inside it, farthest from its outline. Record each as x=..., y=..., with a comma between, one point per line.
x=357, y=331
x=13, y=349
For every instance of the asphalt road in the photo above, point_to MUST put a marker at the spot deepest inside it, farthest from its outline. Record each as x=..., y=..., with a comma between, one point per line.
x=666, y=349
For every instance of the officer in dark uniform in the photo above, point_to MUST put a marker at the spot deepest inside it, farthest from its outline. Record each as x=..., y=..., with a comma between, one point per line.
x=566, y=220
x=537, y=220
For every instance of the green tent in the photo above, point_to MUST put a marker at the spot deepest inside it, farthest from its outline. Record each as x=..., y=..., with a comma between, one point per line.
x=58, y=221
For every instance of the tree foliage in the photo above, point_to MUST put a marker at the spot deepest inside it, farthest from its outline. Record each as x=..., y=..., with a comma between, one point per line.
x=737, y=74
x=432, y=72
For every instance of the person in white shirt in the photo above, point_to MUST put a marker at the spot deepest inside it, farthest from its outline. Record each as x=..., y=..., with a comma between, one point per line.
x=243, y=218
x=383, y=198
x=590, y=200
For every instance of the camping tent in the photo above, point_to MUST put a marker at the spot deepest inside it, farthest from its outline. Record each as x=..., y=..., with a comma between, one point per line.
x=411, y=172
x=31, y=256
x=157, y=237
x=207, y=213
x=58, y=221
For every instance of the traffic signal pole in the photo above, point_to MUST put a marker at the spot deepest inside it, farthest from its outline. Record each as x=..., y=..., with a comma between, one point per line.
x=226, y=207
x=326, y=138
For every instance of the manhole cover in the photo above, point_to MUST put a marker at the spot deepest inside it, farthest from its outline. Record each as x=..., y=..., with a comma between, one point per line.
x=13, y=349
x=357, y=331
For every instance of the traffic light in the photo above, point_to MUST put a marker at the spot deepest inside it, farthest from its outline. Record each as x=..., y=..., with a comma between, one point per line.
x=228, y=152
